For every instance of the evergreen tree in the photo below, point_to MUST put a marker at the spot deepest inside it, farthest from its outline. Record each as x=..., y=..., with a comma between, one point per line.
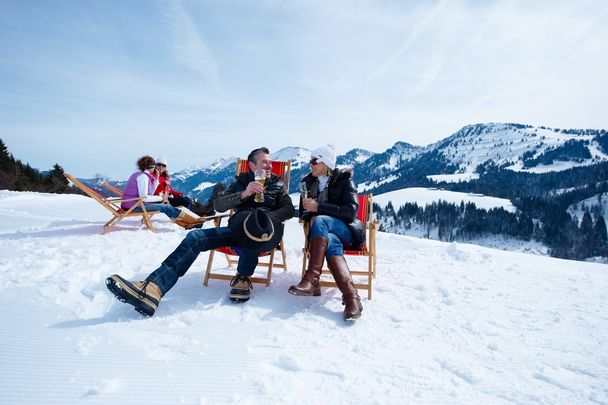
x=56, y=179
x=586, y=237
x=600, y=239
x=7, y=162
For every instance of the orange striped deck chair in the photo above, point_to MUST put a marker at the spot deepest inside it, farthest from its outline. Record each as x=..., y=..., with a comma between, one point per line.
x=361, y=277
x=112, y=204
x=283, y=170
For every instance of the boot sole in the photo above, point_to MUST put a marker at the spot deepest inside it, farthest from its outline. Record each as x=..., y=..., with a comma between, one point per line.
x=123, y=292
x=237, y=299
x=354, y=317
x=299, y=293
x=238, y=295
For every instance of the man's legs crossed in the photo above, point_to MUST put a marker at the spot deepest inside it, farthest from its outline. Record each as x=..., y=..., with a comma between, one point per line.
x=145, y=295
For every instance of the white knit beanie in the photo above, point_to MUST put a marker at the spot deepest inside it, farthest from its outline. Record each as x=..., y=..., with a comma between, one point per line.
x=326, y=154
x=162, y=160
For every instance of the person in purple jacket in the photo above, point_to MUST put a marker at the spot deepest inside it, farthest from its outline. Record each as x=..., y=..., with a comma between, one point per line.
x=142, y=184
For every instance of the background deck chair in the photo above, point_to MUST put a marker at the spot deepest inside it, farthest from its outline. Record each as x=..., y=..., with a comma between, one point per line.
x=283, y=170
x=112, y=189
x=112, y=204
x=361, y=277
x=118, y=192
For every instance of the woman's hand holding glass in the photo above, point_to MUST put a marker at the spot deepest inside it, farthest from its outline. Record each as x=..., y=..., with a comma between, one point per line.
x=310, y=204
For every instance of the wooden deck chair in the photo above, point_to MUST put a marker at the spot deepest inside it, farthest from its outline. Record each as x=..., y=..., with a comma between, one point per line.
x=118, y=192
x=283, y=170
x=112, y=204
x=361, y=277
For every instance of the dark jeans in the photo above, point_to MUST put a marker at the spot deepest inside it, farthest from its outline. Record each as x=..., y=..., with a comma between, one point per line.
x=179, y=201
x=335, y=230
x=197, y=241
x=166, y=209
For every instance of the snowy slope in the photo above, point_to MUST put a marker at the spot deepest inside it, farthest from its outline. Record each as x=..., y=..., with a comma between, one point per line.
x=507, y=144
x=449, y=323
x=424, y=196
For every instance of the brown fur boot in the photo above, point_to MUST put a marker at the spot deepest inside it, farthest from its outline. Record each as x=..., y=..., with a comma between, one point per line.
x=309, y=285
x=143, y=295
x=350, y=297
x=187, y=221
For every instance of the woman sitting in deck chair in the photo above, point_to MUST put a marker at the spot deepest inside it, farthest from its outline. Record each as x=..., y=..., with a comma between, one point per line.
x=142, y=184
x=330, y=206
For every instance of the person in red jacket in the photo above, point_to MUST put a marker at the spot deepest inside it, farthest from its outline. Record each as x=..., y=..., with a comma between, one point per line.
x=177, y=199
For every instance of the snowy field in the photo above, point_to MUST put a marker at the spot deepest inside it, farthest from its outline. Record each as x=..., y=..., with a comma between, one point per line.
x=423, y=196
x=448, y=323
x=454, y=178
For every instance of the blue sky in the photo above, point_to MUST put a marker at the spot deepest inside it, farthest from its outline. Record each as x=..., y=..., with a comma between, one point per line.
x=93, y=85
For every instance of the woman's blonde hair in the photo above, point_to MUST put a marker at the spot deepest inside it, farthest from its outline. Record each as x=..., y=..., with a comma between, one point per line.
x=326, y=170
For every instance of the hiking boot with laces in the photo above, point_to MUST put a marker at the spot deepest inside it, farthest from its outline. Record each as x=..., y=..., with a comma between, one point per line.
x=241, y=288
x=143, y=295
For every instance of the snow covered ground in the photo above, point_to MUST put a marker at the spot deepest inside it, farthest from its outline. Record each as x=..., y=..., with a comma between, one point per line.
x=448, y=323
x=423, y=196
x=454, y=178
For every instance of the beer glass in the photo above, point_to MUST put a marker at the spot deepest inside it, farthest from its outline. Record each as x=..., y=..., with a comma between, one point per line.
x=303, y=193
x=260, y=177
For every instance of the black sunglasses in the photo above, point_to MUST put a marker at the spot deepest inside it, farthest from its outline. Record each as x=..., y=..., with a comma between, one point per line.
x=313, y=161
x=161, y=164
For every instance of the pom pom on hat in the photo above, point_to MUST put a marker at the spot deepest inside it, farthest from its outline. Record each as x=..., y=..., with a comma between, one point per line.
x=326, y=154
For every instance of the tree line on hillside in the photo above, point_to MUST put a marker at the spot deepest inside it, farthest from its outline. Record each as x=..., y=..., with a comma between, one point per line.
x=449, y=222
x=18, y=176
x=542, y=198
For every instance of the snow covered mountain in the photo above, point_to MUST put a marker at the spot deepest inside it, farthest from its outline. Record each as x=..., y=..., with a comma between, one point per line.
x=197, y=181
x=521, y=148
x=516, y=147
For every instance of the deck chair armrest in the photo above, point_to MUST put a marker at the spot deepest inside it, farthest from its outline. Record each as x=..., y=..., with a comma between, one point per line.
x=219, y=215
x=131, y=199
x=217, y=218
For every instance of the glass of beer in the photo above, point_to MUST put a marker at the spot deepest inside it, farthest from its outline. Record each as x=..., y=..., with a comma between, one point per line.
x=260, y=177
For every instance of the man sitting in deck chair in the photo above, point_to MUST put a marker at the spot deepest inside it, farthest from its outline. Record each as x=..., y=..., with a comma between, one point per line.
x=255, y=226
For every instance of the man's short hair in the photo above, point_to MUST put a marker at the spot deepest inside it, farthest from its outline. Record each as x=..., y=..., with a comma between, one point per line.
x=254, y=154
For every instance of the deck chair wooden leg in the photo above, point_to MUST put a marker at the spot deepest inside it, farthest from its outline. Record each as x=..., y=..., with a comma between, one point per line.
x=270, y=262
x=370, y=276
x=229, y=261
x=209, y=264
x=110, y=225
x=283, y=255
x=147, y=221
x=304, y=257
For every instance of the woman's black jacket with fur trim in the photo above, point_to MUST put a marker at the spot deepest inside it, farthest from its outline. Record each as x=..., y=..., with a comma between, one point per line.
x=342, y=203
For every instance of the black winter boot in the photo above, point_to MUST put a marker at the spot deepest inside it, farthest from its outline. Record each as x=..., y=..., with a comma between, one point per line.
x=200, y=209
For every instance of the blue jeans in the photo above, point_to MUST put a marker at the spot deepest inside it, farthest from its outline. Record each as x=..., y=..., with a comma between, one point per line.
x=335, y=230
x=166, y=209
x=197, y=241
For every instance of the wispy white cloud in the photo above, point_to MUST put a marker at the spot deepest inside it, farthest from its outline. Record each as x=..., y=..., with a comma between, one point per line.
x=187, y=45
x=411, y=39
